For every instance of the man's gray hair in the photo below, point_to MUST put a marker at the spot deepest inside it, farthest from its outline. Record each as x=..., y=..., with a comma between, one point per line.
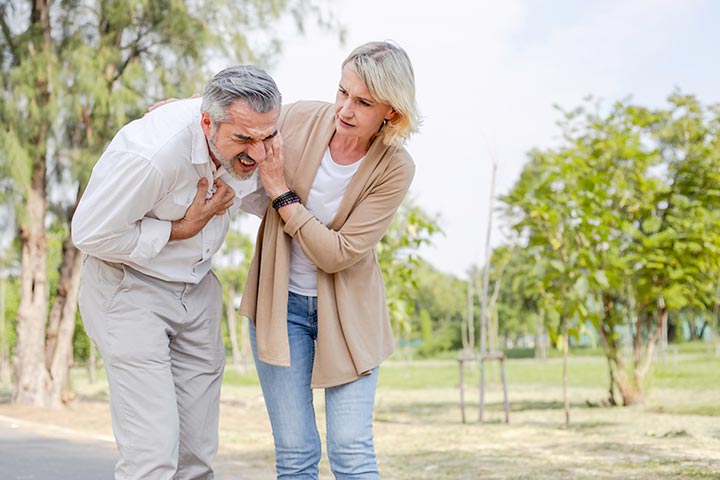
x=243, y=82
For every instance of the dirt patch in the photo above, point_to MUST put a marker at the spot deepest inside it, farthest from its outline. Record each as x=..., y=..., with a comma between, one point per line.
x=419, y=436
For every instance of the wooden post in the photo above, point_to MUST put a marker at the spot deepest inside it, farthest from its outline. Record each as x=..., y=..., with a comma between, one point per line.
x=566, y=398
x=482, y=388
x=462, y=390
x=506, y=401
x=499, y=356
x=470, y=316
x=485, y=307
x=463, y=356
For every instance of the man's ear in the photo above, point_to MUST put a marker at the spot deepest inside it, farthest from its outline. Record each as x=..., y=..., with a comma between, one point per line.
x=206, y=124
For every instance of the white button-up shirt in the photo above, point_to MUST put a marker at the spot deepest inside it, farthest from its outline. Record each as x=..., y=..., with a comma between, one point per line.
x=146, y=178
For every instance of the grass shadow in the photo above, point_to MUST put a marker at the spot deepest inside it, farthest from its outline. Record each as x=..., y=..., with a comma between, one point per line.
x=529, y=405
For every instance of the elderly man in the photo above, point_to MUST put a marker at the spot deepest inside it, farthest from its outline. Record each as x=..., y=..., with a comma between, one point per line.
x=155, y=211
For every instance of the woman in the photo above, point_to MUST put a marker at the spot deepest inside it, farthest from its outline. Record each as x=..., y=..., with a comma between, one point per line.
x=314, y=293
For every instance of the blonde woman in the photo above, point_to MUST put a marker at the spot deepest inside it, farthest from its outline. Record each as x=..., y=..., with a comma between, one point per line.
x=315, y=295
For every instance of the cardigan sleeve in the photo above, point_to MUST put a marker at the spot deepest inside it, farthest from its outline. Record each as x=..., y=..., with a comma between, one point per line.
x=333, y=251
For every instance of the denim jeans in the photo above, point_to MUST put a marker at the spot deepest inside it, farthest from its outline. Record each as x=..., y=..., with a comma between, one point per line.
x=289, y=402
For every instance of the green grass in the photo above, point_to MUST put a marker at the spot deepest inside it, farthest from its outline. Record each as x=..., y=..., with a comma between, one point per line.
x=247, y=378
x=698, y=371
x=696, y=368
x=583, y=372
x=419, y=434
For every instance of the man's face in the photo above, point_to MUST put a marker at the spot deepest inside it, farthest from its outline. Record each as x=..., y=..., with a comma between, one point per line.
x=238, y=144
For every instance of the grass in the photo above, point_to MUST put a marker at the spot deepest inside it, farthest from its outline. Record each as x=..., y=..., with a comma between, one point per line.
x=698, y=370
x=419, y=435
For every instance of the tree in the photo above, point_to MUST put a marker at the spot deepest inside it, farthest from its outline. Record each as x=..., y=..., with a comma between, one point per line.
x=231, y=266
x=514, y=310
x=441, y=306
x=72, y=72
x=621, y=221
x=398, y=256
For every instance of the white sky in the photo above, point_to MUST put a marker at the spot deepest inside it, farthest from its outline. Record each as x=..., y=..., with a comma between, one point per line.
x=488, y=74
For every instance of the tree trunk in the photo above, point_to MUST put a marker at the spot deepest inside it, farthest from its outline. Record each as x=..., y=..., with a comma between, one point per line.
x=566, y=398
x=245, y=348
x=629, y=391
x=232, y=328
x=644, y=358
x=58, y=348
x=470, y=317
x=485, y=311
x=31, y=378
x=4, y=348
x=701, y=331
x=540, y=337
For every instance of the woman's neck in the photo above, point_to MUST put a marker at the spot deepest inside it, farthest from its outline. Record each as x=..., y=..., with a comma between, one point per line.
x=348, y=150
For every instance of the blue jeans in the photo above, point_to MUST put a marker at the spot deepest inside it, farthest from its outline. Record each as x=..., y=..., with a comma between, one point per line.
x=289, y=402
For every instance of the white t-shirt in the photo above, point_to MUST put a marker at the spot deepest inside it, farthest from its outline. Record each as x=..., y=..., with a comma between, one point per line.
x=328, y=188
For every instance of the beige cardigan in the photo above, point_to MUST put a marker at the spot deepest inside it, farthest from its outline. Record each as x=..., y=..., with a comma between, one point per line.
x=354, y=334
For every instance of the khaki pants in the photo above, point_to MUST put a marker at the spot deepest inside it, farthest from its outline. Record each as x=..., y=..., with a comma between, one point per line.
x=162, y=346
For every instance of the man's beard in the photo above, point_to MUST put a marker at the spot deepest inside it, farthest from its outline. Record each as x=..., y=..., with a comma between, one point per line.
x=227, y=164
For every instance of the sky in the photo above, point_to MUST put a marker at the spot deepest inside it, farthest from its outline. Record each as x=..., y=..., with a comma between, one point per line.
x=488, y=75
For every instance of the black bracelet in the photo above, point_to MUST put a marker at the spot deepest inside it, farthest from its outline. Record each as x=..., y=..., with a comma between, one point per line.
x=285, y=199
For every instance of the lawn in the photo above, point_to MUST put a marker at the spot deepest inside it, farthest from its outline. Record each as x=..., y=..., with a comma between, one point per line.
x=419, y=435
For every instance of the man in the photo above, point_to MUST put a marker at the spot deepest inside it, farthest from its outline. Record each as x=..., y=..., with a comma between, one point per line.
x=155, y=211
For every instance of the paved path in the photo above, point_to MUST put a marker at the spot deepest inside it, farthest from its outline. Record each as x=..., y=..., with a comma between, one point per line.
x=26, y=454
x=33, y=451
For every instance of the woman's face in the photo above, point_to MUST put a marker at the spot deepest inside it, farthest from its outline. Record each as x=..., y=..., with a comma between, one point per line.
x=357, y=113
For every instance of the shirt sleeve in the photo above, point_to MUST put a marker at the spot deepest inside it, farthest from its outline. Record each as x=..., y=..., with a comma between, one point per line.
x=255, y=203
x=332, y=251
x=111, y=221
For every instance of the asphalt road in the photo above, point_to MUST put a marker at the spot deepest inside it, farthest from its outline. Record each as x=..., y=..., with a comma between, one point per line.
x=27, y=455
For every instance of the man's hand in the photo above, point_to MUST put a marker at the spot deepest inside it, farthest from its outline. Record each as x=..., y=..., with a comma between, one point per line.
x=202, y=210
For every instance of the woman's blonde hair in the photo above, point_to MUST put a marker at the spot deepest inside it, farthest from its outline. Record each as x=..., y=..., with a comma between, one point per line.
x=386, y=70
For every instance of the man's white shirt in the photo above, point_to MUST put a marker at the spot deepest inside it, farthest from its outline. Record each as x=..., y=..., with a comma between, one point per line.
x=146, y=178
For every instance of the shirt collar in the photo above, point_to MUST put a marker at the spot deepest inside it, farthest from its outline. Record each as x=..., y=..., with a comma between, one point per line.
x=200, y=151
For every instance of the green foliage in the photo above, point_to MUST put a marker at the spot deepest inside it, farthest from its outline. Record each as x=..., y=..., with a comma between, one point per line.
x=620, y=221
x=72, y=73
x=441, y=303
x=516, y=307
x=12, y=301
x=398, y=256
x=446, y=337
x=231, y=265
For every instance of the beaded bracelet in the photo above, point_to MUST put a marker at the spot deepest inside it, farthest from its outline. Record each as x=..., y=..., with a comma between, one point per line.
x=285, y=199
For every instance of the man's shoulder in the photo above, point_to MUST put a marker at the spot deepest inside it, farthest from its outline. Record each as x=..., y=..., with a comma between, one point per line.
x=169, y=127
x=166, y=121
x=306, y=108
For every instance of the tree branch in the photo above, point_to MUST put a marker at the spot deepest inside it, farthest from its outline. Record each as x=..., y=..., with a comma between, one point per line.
x=8, y=36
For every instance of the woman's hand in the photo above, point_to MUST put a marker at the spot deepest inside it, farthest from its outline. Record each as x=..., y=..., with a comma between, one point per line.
x=168, y=100
x=272, y=168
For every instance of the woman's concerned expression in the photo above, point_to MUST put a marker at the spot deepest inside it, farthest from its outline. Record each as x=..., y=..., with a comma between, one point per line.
x=357, y=113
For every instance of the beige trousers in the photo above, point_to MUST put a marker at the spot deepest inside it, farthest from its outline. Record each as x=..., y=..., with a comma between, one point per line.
x=162, y=346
